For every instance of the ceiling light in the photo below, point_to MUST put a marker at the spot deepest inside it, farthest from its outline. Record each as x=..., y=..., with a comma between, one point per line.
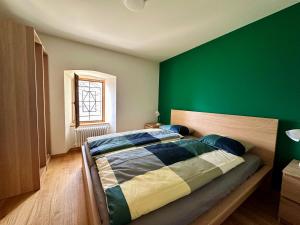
x=134, y=5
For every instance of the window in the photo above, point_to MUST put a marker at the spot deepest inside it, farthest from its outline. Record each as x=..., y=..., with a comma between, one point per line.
x=89, y=101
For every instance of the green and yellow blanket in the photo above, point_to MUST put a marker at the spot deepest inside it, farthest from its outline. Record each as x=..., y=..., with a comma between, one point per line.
x=138, y=180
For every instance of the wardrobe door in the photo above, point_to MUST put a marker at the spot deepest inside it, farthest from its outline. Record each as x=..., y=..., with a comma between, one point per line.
x=39, y=68
x=19, y=158
x=47, y=109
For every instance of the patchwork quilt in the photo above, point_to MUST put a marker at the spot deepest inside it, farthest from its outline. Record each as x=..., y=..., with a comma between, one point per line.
x=112, y=142
x=138, y=180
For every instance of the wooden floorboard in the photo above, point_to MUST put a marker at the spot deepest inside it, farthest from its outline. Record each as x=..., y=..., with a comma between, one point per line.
x=61, y=201
x=260, y=209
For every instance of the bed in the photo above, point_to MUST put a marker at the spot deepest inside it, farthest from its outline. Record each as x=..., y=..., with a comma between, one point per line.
x=261, y=132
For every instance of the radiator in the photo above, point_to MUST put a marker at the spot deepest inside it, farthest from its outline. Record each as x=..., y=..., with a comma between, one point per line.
x=83, y=132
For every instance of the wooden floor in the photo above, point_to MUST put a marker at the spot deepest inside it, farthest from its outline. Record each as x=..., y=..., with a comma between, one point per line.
x=260, y=209
x=61, y=201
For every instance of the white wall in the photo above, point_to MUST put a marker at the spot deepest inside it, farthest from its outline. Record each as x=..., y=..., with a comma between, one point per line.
x=137, y=84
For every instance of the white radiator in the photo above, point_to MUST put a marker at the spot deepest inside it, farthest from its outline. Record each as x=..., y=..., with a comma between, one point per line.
x=82, y=133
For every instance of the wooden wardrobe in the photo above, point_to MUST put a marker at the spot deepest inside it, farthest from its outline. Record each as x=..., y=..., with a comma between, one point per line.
x=24, y=109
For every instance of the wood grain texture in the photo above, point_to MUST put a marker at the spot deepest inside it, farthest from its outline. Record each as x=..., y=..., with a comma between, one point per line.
x=38, y=40
x=92, y=209
x=261, y=132
x=19, y=164
x=291, y=188
x=47, y=103
x=290, y=194
x=60, y=201
x=258, y=131
x=218, y=214
x=39, y=68
x=289, y=211
x=259, y=209
x=76, y=81
x=86, y=123
x=292, y=169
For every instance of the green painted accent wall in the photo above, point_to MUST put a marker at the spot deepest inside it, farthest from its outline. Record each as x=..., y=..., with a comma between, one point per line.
x=253, y=71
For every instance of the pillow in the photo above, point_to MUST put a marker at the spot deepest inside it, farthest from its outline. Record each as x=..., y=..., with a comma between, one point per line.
x=247, y=145
x=225, y=143
x=179, y=129
x=191, y=130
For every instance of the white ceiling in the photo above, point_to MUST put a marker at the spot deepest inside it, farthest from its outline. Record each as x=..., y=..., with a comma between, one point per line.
x=162, y=30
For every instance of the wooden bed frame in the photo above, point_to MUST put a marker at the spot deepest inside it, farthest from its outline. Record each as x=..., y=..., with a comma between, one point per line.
x=261, y=132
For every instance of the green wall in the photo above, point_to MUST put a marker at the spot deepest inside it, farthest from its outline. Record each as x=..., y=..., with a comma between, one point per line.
x=252, y=71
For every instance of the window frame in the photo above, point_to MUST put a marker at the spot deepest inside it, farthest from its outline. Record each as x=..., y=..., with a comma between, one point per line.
x=76, y=102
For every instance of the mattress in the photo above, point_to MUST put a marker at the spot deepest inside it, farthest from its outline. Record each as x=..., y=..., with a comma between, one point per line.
x=188, y=208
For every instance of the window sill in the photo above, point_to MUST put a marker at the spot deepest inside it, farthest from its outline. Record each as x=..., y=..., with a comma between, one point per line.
x=89, y=124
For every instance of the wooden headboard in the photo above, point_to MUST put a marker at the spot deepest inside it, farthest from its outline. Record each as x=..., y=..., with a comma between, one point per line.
x=261, y=132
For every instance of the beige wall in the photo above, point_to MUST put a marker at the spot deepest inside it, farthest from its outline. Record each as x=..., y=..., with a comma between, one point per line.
x=137, y=84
